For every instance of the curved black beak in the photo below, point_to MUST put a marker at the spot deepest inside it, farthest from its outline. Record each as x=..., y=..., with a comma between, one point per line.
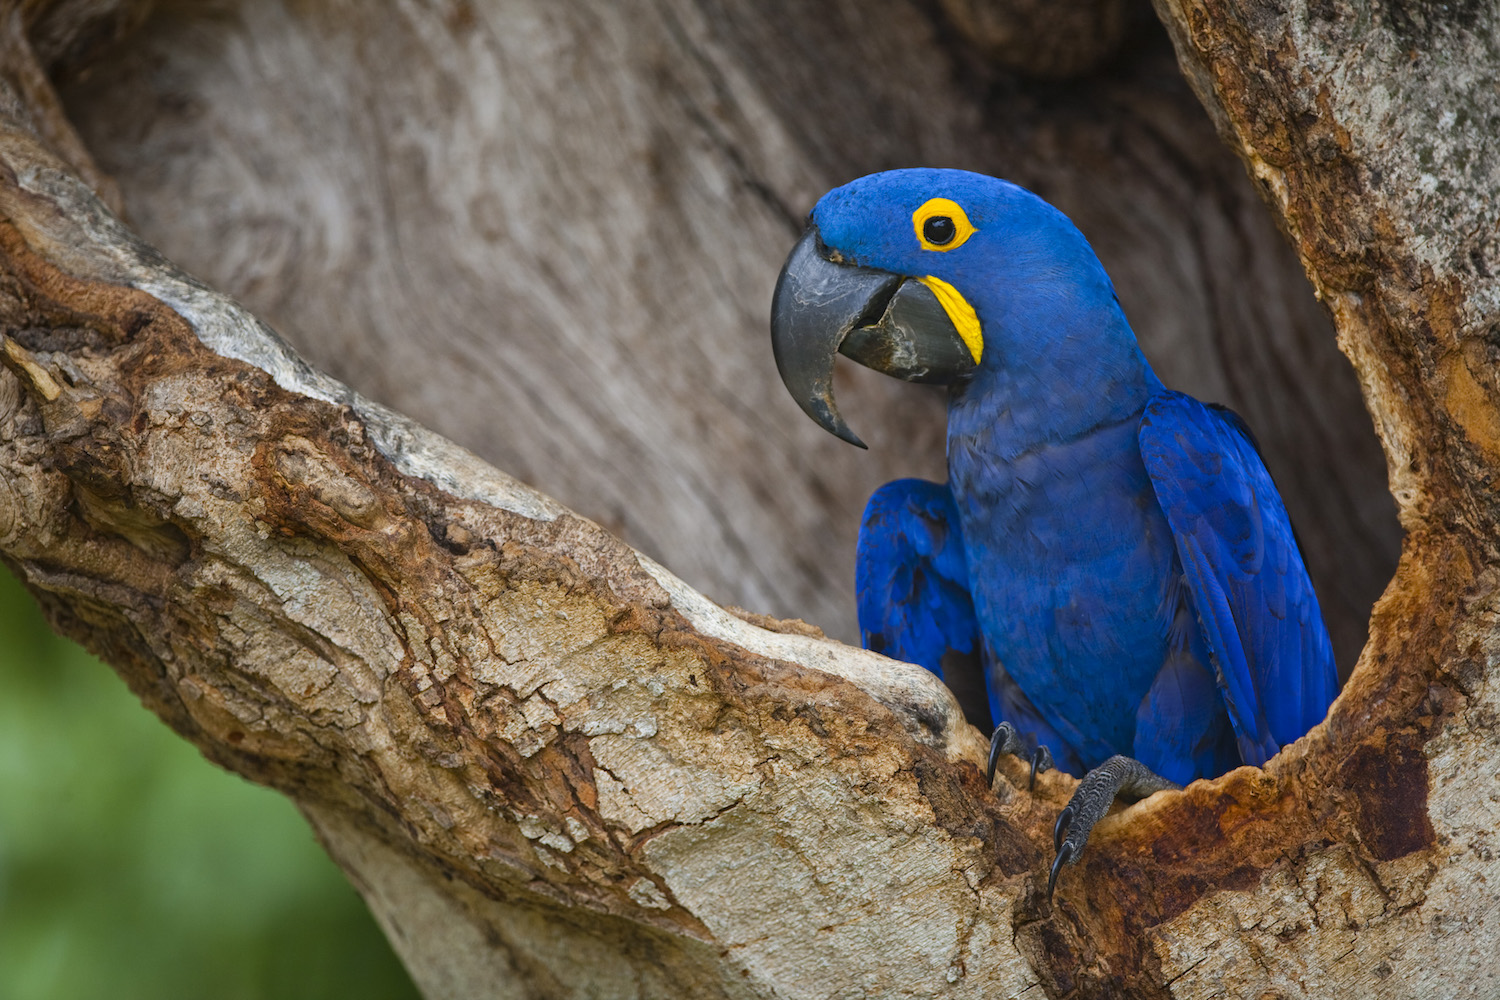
x=884, y=321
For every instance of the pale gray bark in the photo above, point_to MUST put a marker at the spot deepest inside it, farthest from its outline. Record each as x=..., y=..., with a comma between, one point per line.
x=550, y=232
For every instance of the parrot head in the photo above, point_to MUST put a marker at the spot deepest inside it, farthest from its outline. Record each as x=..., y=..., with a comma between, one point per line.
x=926, y=275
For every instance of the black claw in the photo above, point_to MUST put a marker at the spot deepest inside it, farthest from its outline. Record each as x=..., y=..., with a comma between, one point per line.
x=1092, y=799
x=1007, y=740
x=1060, y=830
x=1041, y=761
x=1064, y=853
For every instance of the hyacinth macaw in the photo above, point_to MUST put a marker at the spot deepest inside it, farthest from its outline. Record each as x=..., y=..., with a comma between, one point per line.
x=1112, y=554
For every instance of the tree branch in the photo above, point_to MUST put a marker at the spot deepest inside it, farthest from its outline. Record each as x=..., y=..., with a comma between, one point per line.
x=37, y=34
x=549, y=765
x=335, y=602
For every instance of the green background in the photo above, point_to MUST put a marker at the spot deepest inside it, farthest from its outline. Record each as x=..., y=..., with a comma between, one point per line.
x=131, y=867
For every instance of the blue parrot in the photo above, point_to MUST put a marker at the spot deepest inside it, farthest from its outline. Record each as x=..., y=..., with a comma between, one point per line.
x=1113, y=555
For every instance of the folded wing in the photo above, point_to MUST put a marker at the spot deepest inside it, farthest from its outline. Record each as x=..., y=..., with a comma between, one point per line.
x=1249, y=588
x=913, y=587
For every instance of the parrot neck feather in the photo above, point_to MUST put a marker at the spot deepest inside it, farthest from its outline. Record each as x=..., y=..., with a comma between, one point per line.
x=1050, y=376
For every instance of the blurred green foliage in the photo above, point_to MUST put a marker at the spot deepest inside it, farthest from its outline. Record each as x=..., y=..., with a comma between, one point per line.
x=130, y=867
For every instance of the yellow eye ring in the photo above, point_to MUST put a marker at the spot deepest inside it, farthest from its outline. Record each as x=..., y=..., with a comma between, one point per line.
x=941, y=224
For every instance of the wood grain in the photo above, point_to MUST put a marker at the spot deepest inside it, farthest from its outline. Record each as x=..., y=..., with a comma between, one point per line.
x=551, y=232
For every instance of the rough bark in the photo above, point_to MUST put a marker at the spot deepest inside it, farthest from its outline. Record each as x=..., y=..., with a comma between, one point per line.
x=553, y=235
x=552, y=768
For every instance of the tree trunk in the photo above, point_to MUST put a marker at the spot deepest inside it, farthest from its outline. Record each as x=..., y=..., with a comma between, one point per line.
x=550, y=232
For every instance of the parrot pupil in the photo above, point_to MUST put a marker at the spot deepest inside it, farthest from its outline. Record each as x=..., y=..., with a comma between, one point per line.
x=939, y=230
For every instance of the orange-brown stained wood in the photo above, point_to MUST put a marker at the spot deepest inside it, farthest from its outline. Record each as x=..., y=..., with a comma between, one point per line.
x=518, y=705
x=483, y=781
x=305, y=478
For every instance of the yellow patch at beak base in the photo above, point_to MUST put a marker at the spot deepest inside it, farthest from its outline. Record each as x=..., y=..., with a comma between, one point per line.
x=965, y=320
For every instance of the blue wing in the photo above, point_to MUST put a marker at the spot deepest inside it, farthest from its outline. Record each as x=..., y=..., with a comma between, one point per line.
x=1259, y=615
x=913, y=587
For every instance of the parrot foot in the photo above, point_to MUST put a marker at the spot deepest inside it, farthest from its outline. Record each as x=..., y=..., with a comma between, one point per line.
x=1097, y=791
x=1008, y=739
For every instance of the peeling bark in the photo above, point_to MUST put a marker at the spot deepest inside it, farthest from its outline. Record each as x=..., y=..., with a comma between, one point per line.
x=333, y=601
x=553, y=238
x=551, y=767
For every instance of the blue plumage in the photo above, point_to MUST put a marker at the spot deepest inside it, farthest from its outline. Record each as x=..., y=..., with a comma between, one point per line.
x=1115, y=552
x=912, y=578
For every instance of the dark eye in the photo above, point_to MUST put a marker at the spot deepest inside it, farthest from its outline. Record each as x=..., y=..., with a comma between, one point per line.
x=939, y=230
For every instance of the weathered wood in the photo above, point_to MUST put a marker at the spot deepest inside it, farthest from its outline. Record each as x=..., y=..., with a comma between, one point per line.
x=333, y=601
x=553, y=236
x=1372, y=132
x=551, y=767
